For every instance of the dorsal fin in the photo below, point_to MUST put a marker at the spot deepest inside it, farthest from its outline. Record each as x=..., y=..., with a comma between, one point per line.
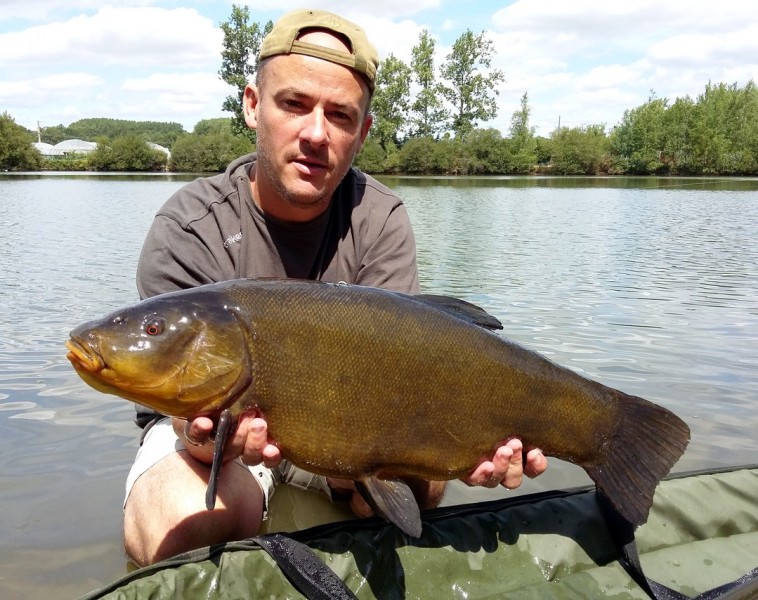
x=461, y=309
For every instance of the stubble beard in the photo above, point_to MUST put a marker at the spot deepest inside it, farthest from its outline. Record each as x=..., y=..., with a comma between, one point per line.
x=265, y=158
x=267, y=165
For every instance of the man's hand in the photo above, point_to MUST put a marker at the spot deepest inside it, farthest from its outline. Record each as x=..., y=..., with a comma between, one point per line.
x=249, y=441
x=507, y=466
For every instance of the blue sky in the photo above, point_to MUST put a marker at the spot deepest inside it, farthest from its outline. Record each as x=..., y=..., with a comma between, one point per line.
x=581, y=61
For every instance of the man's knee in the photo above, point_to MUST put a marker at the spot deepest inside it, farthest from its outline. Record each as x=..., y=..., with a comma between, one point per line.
x=165, y=513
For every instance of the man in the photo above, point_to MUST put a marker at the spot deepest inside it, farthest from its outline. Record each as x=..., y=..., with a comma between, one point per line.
x=295, y=209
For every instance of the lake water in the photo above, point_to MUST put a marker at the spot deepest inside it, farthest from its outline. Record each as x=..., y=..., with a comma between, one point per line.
x=648, y=285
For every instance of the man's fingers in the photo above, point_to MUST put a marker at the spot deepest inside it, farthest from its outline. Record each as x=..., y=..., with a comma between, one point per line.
x=535, y=464
x=196, y=432
x=272, y=456
x=514, y=469
x=490, y=473
x=253, y=436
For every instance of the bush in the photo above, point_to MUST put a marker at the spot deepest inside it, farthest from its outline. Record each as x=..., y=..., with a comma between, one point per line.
x=16, y=150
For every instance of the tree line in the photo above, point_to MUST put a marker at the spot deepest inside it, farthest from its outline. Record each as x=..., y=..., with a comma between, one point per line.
x=427, y=121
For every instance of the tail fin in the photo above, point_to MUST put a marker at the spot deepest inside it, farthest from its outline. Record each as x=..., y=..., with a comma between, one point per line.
x=648, y=441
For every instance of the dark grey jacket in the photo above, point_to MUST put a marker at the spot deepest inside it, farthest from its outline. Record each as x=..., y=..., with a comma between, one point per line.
x=211, y=230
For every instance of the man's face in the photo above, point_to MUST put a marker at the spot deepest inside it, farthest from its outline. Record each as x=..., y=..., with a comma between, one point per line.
x=310, y=117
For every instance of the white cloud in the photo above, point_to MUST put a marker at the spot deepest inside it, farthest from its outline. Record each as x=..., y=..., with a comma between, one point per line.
x=182, y=97
x=608, y=76
x=200, y=83
x=608, y=20
x=185, y=98
x=46, y=10
x=390, y=37
x=64, y=87
x=690, y=49
x=115, y=36
x=606, y=57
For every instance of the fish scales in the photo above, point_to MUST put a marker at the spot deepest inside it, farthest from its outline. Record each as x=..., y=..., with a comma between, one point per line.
x=397, y=376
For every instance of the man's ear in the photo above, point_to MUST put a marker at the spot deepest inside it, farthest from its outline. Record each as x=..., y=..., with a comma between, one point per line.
x=250, y=105
x=365, y=128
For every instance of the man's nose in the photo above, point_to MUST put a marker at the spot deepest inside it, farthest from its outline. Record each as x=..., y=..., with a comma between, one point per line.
x=315, y=130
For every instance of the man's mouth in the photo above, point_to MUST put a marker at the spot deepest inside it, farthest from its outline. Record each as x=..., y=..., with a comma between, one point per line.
x=309, y=166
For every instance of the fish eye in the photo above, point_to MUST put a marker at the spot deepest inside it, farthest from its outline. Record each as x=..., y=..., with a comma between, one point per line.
x=155, y=327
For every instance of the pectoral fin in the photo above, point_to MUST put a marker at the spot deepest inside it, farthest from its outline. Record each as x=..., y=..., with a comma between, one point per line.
x=223, y=429
x=392, y=500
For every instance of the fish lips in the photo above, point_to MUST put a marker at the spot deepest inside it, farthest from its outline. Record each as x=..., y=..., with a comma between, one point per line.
x=83, y=357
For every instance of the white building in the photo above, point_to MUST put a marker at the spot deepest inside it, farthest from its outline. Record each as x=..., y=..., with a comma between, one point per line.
x=72, y=147
x=43, y=148
x=160, y=148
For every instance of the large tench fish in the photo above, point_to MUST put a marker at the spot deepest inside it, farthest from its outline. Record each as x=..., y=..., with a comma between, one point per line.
x=372, y=385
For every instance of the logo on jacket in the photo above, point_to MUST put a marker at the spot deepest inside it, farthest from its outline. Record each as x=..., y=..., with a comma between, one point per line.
x=232, y=239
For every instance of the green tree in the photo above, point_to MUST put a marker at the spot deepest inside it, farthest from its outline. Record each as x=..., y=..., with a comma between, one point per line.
x=543, y=148
x=523, y=146
x=221, y=125
x=239, y=60
x=428, y=115
x=580, y=150
x=157, y=132
x=371, y=157
x=468, y=88
x=16, y=150
x=639, y=138
x=711, y=143
x=487, y=152
x=209, y=152
x=126, y=153
x=677, y=137
x=745, y=130
x=390, y=102
x=425, y=156
x=54, y=134
x=724, y=129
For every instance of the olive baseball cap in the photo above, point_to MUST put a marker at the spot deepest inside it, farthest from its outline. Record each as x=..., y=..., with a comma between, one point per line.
x=282, y=39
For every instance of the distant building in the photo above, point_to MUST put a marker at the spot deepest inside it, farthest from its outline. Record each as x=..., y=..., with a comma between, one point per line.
x=72, y=147
x=43, y=148
x=160, y=148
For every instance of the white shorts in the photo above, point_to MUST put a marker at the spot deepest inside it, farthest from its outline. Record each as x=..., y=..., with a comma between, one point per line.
x=161, y=440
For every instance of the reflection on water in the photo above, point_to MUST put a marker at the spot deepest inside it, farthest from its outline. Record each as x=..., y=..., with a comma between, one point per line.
x=649, y=286
x=715, y=184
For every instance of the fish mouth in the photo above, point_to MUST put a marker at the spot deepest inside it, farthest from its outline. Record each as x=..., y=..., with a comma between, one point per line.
x=84, y=357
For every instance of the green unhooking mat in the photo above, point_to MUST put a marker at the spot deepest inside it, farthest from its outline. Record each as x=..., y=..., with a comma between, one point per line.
x=702, y=533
